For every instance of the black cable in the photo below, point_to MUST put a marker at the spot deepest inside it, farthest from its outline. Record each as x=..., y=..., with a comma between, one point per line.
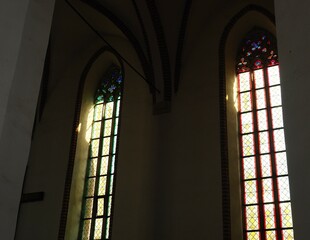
x=106, y=42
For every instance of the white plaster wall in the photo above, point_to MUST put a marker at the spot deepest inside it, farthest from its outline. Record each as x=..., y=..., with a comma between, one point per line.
x=25, y=27
x=293, y=31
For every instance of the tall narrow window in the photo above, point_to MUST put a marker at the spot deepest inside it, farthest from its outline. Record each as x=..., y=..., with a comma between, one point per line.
x=264, y=176
x=103, y=133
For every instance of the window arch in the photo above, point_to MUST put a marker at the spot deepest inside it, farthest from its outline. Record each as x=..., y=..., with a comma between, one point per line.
x=264, y=176
x=102, y=134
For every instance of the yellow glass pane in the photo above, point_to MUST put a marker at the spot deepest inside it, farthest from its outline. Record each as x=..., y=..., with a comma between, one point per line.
x=250, y=190
x=107, y=127
x=96, y=130
x=92, y=167
x=269, y=216
x=245, y=102
x=88, y=208
x=286, y=215
x=249, y=168
x=90, y=187
x=246, y=123
x=98, y=112
x=259, y=78
x=102, y=186
x=98, y=229
x=244, y=81
x=247, y=145
x=252, y=218
x=94, y=148
x=271, y=235
x=86, y=229
x=253, y=236
x=288, y=234
x=100, y=206
x=109, y=110
x=106, y=146
x=104, y=165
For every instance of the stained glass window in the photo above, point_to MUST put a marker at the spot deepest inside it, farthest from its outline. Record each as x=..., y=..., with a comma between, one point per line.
x=266, y=199
x=98, y=190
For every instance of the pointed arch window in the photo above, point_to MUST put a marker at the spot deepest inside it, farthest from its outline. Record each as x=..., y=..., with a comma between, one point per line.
x=103, y=119
x=264, y=175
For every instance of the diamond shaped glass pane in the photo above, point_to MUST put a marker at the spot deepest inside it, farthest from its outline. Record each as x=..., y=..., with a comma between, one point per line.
x=267, y=190
x=246, y=122
x=265, y=165
x=100, y=206
x=98, y=112
x=275, y=96
x=247, y=145
x=249, y=168
x=259, y=78
x=106, y=146
x=264, y=142
x=88, y=208
x=281, y=162
x=109, y=110
x=104, y=165
x=86, y=229
x=277, y=117
x=245, y=102
x=251, y=218
x=253, y=236
x=250, y=191
x=98, y=229
x=102, y=186
x=288, y=234
x=244, y=81
x=96, y=129
x=262, y=120
x=284, y=189
x=90, y=187
x=271, y=235
x=269, y=216
x=92, y=167
x=107, y=127
x=273, y=75
x=260, y=99
x=286, y=215
x=279, y=140
x=94, y=147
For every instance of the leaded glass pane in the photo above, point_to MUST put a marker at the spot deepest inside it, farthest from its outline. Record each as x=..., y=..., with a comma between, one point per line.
x=88, y=208
x=269, y=216
x=260, y=99
x=273, y=75
x=114, y=144
x=265, y=165
x=102, y=185
x=98, y=112
x=100, y=207
x=284, y=189
x=249, y=169
x=107, y=233
x=247, y=145
x=104, y=165
x=253, y=235
x=259, y=78
x=96, y=130
x=98, y=229
x=90, y=187
x=113, y=164
x=262, y=120
x=111, y=184
x=267, y=190
x=107, y=127
x=116, y=126
x=250, y=190
x=252, y=221
x=281, y=163
x=279, y=141
x=118, y=104
x=264, y=142
x=245, y=102
x=277, y=117
x=94, y=148
x=110, y=206
x=244, y=81
x=246, y=122
x=286, y=215
x=271, y=235
x=275, y=96
x=109, y=110
x=86, y=229
x=106, y=146
x=92, y=167
x=288, y=234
